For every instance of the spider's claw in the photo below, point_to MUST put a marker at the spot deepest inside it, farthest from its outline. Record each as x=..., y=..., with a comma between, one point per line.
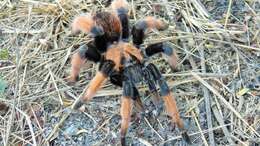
x=71, y=80
x=123, y=143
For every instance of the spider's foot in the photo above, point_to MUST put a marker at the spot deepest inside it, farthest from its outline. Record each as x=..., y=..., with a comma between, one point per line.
x=186, y=137
x=71, y=80
x=123, y=141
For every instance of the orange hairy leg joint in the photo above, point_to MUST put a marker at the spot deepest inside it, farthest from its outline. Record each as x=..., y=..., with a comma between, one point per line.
x=76, y=64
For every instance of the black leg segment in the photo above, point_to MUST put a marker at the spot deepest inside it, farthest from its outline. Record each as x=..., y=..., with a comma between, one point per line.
x=159, y=48
x=89, y=52
x=138, y=36
x=122, y=14
x=107, y=67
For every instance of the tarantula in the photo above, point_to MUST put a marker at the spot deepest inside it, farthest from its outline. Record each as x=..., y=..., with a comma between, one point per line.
x=124, y=63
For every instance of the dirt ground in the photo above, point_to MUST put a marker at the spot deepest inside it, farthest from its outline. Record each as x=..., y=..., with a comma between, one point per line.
x=216, y=85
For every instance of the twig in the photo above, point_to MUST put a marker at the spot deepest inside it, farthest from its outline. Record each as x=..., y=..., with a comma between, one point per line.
x=30, y=126
x=221, y=122
x=228, y=13
x=39, y=3
x=153, y=129
x=58, y=125
x=207, y=100
x=192, y=134
x=144, y=142
x=55, y=85
x=198, y=124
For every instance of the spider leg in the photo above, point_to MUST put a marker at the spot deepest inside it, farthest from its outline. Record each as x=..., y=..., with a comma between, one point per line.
x=125, y=111
x=79, y=58
x=116, y=79
x=137, y=101
x=155, y=95
x=120, y=7
x=166, y=49
x=138, y=30
x=126, y=108
x=86, y=24
x=169, y=100
x=125, y=25
x=95, y=83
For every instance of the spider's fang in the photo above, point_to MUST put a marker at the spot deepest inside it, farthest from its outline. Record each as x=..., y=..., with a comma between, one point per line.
x=128, y=90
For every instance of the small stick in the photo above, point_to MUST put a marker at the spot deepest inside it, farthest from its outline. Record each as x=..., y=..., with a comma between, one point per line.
x=55, y=85
x=198, y=125
x=105, y=122
x=207, y=100
x=228, y=13
x=39, y=3
x=153, y=129
x=145, y=142
x=221, y=122
x=29, y=124
x=204, y=131
x=194, y=106
x=133, y=10
x=57, y=126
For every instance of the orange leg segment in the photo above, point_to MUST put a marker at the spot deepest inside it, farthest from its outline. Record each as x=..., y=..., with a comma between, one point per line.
x=139, y=105
x=126, y=109
x=173, y=60
x=172, y=110
x=167, y=49
x=76, y=64
x=94, y=85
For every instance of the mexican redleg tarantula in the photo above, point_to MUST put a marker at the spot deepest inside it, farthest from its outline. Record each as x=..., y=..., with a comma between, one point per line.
x=124, y=63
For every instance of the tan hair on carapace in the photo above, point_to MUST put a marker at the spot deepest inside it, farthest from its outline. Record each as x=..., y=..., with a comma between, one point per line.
x=120, y=51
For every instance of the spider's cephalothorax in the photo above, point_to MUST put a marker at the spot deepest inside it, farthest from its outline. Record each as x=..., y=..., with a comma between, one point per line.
x=124, y=63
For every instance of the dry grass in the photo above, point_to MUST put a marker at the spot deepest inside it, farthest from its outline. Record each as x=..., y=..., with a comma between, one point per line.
x=219, y=63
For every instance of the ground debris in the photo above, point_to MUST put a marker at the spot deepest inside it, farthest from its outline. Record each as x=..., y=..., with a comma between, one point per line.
x=217, y=42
